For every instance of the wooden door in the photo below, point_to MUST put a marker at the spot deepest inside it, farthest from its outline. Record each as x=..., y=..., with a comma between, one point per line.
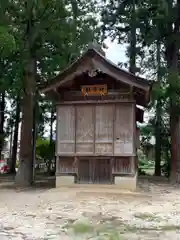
x=102, y=171
x=94, y=171
x=85, y=173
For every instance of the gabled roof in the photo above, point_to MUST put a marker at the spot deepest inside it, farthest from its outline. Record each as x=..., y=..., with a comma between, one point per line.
x=92, y=59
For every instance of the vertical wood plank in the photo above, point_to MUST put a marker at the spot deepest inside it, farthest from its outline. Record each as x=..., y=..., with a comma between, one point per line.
x=134, y=127
x=132, y=165
x=112, y=168
x=57, y=141
x=57, y=164
x=114, y=120
x=76, y=160
x=94, y=129
x=90, y=171
x=93, y=169
x=75, y=126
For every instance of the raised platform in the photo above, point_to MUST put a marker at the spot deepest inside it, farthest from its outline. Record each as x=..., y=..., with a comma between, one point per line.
x=129, y=183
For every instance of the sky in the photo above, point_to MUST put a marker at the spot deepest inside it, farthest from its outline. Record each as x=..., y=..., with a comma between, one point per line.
x=115, y=51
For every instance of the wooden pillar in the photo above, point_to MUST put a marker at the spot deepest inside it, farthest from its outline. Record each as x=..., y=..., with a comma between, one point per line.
x=112, y=169
x=76, y=168
x=133, y=165
x=75, y=126
x=57, y=165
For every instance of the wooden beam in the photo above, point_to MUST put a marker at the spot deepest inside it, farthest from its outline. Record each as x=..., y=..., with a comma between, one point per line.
x=95, y=102
x=116, y=174
x=139, y=115
x=86, y=155
x=56, y=92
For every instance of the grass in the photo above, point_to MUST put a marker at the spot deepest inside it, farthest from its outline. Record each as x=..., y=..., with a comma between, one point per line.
x=82, y=228
x=97, y=231
x=109, y=231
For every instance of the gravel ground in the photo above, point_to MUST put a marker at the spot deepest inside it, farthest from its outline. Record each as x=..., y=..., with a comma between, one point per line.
x=153, y=212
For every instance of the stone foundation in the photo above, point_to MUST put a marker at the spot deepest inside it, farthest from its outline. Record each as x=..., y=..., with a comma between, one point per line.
x=128, y=183
x=64, y=181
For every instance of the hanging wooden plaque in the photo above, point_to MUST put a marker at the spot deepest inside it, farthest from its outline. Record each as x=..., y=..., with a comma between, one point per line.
x=94, y=90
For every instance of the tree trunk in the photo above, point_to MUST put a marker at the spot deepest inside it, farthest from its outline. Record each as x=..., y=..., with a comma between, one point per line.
x=15, y=138
x=2, y=119
x=157, y=171
x=24, y=175
x=132, y=50
x=175, y=152
x=34, y=135
x=172, y=53
x=51, y=136
x=10, y=142
x=51, y=126
x=172, y=60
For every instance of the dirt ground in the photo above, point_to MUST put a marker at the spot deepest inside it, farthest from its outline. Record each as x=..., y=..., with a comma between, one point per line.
x=153, y=212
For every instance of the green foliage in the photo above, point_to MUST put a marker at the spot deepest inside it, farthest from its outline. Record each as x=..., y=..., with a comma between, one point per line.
x=45, y=150
x=7, y=42
x=144, y=163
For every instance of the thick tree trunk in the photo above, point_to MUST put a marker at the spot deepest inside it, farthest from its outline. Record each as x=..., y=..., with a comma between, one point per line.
x=2, y=119
x=172, y=59
x=24, y=175
x=34, y=135
x=172, y=53
x=175, y=153
x=157, y=171
x=15, y=138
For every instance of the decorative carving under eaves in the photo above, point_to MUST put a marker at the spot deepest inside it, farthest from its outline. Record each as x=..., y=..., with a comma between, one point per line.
x=93, y=72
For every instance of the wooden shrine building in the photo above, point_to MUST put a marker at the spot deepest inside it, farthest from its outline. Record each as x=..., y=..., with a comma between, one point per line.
x=97, y=138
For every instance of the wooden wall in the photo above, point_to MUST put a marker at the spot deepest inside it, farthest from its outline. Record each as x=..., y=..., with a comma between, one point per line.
x=92, y=167
x=96, y=130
